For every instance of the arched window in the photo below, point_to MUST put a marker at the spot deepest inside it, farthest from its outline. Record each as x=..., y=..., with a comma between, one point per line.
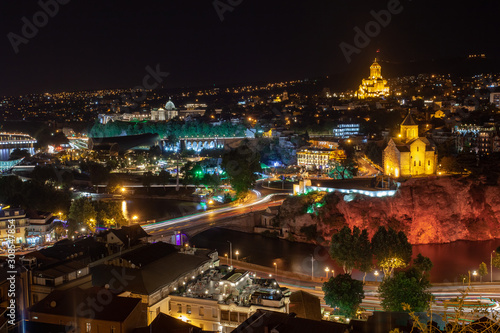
x=429, y=162
x=417, y=148
x=414, y=163
x=419, y=163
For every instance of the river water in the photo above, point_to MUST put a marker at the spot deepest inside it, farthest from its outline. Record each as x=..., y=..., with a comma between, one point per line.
x=450, y=260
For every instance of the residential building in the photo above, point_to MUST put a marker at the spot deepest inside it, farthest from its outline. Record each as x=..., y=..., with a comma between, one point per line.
x=155, y=271
x=495, y=99
x=166, y=324
x=222, y=298
x=41, y=228
x=344, y=131
x=92, y=310
x=13, y=219
x=264, y=321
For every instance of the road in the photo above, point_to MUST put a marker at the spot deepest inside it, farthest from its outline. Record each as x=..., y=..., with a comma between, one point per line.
x=217, y=216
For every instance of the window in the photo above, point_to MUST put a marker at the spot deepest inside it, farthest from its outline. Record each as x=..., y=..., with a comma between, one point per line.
x=224, y=315
x=202, y=310
x=419, y=163
x=214, y=312
x=417, y=148
x=188, y=309
x=112, y=330
x=234, y=316
x=414, y=163
x=179, y=308
x=429, y=162
x=88, y=327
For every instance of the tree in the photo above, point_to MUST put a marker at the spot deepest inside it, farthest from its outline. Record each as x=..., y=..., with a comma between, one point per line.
x=147, y=180
x=164, y=177
x=241, y=165
x=483, y=271
x=423, y=265
x=496, y=259
x=351, y=249
x=18, y=154
x=392, y=250
x=405, y=288
x=81, y=215
x=109, y=214
x=344, y=293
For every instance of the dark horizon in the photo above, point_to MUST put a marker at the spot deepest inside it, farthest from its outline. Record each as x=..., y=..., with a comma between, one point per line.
x=94, y=45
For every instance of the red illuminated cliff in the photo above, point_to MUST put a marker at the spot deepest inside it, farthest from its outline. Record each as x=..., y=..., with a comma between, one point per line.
x=428, y=210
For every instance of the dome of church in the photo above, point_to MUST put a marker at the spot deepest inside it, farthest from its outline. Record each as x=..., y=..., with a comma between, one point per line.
x=170, y=105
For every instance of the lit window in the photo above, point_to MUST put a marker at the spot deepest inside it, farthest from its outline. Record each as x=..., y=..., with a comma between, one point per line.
x=202, y=310
x=188, y=309
x=88, y=327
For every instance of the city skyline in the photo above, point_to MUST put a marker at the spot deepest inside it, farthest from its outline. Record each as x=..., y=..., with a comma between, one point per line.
x=92, y=45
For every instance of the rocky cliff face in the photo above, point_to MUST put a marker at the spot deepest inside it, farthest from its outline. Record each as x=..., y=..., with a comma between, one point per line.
x=428, y=210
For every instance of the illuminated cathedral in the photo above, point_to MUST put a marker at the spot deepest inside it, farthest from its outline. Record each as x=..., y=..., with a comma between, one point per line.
x=375, y=85
x=408, y=154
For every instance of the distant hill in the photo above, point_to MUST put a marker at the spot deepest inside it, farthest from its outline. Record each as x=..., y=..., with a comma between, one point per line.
x=351, y=78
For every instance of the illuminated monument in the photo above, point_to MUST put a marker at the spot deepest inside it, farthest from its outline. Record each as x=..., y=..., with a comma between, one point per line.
x=408, y=154
x=375, y=85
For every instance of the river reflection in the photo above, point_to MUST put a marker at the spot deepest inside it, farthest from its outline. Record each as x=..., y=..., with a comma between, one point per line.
x=5, y=153
x=450, y=260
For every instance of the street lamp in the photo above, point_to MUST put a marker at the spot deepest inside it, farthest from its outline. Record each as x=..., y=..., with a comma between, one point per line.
x=237, y=255
x=491, y=265
x=227, y=260
x=275, y=268
x=326, y=271
x=475, y=274
x=376, y=276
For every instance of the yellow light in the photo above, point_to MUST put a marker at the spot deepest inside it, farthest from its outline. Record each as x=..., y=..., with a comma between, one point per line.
x=327, y=269
x=123, y=189
x=211, y=202
x=134, y=217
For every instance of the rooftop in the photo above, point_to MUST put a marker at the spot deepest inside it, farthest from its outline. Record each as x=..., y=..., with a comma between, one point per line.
x=236, y=286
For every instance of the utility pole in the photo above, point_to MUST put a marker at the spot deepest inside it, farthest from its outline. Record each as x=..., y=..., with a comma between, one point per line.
x=231, y=253
x=312, y=267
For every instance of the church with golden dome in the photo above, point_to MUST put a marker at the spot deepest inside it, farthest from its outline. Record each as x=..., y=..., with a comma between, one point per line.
x=375, y=85
x=408, y=154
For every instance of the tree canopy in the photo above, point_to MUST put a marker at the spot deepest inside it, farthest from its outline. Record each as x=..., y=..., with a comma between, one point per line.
x=405, y=288
x=392, y=250
x=241, y=165
x=351, y=249
x=344, y=293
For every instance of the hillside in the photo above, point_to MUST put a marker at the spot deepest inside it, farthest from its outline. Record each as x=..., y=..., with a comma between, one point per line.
x=428, y=210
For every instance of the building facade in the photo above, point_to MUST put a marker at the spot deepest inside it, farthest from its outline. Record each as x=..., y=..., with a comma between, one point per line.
x=13, y=226
x=318, y=157
x=375, y=85
x=408, y=154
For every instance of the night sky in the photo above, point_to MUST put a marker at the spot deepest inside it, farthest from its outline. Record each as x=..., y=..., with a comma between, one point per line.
x=94, y=44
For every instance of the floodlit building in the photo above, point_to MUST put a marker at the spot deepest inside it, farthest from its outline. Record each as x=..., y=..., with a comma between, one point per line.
x=375, y=85
x=408, y=154
x=166, y=113
x=318, y=157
